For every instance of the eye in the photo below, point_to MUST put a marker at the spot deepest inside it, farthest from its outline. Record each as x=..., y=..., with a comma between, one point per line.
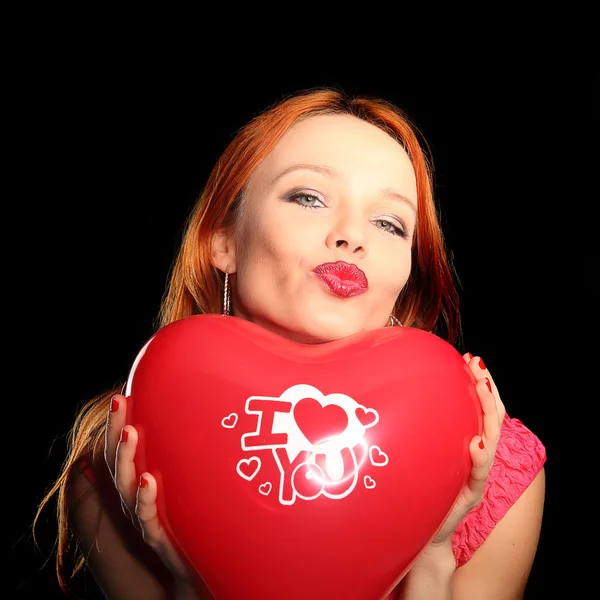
x=390, y=227
x=305, y=199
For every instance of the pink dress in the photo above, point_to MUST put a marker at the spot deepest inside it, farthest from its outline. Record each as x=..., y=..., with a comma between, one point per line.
x=520, y=456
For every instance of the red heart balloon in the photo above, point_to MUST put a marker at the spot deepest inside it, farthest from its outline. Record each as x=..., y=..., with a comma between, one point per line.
x=301, y=471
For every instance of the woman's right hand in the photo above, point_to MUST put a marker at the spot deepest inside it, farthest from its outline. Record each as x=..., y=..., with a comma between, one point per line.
x=138, y=493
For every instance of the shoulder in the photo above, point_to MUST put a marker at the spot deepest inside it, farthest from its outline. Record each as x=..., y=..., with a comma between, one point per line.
x=520, y=458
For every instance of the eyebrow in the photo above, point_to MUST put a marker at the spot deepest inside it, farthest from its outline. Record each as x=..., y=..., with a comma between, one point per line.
x=332, y=174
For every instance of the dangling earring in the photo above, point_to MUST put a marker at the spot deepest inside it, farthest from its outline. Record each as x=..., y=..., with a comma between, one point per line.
x=226, y=295
x=394, y=321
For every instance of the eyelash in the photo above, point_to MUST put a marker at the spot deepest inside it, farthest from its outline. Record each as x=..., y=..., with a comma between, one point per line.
x=399, y=231
x=295, y=197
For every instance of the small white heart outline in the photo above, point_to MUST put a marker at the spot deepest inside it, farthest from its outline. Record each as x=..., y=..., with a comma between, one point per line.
x=370, y=483
x=367, y=411
x=268, y=487
x=247, y=461
x=226, y=424
x=381, y=453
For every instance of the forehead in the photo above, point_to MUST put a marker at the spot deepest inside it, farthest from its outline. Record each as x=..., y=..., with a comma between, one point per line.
x=343, y=142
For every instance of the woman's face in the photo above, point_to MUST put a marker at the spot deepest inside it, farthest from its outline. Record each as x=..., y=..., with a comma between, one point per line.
x=322, y=247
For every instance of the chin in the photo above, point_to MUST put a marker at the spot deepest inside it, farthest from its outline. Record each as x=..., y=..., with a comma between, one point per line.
x=321, y=333
x=308, y=329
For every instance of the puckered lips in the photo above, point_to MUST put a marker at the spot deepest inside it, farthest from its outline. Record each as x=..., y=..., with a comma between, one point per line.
x=342, y=279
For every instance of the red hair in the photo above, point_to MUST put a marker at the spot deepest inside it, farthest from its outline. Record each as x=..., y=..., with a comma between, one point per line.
x=429, y=300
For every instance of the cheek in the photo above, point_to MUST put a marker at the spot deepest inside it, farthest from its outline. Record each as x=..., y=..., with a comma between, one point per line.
x=254, y=238
x=396, y=272
x=273, y=243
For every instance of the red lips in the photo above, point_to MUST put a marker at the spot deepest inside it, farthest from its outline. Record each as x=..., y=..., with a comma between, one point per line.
x=342, y=279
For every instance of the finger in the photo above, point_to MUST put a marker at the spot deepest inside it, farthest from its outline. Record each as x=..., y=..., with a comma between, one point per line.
x=483, y=448
x=491, y=422
x=146, y=510
x=480, y=371
x=152, y=531
x=480, y=457
x=478, y=367
x=125, y=477
x=130, y=515
x=114, y=423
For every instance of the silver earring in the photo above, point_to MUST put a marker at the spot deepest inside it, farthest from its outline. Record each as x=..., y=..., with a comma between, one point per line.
x=226, y=296
x=394, y=321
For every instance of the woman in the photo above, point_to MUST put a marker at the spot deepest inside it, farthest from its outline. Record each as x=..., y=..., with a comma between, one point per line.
x=317, y=179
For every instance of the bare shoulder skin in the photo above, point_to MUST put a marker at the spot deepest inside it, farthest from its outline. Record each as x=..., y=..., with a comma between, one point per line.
x=500, y=567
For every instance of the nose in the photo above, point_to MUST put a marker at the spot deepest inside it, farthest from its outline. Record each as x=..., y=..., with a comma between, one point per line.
x=349, y=234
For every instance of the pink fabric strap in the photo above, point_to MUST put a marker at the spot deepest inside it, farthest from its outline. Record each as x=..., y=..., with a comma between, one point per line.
x=519, y=458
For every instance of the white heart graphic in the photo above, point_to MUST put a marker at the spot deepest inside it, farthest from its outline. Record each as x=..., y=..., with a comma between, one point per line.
x=378, y=457
x=265, y=488
x=249, y=474
x=229, y=421
x=369, y=482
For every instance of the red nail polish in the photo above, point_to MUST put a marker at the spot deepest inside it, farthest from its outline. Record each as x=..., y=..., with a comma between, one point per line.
x=143, y=482
x=124, y=434
x=487, y=382
x=481, y=364
x=114, y=404
x=481, y=444
x=469, y=355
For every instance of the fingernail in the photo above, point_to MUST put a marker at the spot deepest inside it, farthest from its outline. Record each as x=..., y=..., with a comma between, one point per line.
x=124, y=434
x=114, y=404
x=481, y=444
x=481, y=364
x=469, y=355
x=143, y=482
x=487, y=382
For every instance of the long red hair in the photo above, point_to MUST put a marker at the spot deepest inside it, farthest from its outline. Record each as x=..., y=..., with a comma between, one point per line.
x=429, y=300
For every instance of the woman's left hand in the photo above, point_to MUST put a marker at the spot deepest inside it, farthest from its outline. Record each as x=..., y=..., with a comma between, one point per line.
x=482, y=449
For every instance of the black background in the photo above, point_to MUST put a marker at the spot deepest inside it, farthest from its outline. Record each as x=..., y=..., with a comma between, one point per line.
x=109, y=148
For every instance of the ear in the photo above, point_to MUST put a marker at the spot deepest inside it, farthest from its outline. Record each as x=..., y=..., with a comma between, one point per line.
x=223, y=251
